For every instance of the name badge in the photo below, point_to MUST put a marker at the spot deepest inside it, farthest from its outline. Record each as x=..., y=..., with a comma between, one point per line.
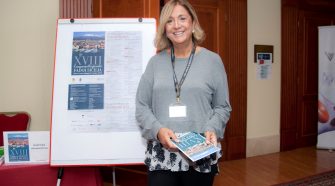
x=177, y=110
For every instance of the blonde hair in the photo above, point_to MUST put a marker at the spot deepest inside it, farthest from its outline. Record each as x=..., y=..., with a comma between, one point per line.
x=161, y=40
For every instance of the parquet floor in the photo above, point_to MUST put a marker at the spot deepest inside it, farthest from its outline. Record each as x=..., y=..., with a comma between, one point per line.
x=275, y=168
x=262, y=170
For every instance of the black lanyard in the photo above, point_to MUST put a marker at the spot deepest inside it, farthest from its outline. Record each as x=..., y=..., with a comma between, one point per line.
x=187, y=68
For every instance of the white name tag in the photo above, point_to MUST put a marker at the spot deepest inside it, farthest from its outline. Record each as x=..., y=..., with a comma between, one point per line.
x=177, y=111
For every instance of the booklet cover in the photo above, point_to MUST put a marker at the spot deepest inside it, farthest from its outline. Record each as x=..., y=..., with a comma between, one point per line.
x=26, y=147
x=194, y=146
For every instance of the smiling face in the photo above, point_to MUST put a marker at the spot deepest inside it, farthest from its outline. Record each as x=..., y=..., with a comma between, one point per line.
x=179, y=27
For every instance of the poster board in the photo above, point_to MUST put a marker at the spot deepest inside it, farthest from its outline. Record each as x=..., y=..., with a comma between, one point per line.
x=98, y=64
x=326, y=99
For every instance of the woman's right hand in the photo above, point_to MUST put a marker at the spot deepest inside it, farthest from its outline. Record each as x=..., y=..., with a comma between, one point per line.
x=164, y=136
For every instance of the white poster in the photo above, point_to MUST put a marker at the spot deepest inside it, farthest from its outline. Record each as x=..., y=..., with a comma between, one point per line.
x=98, y=65
x=326, y=102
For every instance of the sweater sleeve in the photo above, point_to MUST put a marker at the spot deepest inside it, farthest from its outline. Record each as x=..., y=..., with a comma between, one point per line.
x=149, y=125
x=220, y=101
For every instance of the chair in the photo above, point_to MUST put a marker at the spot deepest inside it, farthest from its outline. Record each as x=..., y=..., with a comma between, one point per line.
x=13, y=121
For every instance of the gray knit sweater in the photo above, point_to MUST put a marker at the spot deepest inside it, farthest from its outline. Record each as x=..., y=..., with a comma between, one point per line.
x=204, y=92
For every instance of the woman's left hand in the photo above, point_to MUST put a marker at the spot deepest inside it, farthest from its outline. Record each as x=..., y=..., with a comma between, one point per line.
x=211, y=137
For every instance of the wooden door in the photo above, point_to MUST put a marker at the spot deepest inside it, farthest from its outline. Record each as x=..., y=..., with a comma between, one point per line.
x=308, y=76
x=299, y=80
x=209, y=14
x=223, y=38
x=75, y=8
x=128, y=9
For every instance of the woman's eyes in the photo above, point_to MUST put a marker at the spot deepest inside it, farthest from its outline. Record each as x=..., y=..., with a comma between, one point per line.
x=180, y=20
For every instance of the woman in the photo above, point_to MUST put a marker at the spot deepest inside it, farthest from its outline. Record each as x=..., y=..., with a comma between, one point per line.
x=184, y=88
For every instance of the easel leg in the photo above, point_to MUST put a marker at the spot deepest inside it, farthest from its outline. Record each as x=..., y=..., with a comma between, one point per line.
x=114, y=180
x=60, y=175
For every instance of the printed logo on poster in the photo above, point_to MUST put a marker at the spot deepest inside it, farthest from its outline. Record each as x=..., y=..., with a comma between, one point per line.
x=329, y=55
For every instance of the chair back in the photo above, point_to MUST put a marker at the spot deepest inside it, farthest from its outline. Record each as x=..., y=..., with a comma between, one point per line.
x=13, y=121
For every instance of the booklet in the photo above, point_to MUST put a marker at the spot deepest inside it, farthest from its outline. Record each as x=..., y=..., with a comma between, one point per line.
x=23, y=147
x=194, y=146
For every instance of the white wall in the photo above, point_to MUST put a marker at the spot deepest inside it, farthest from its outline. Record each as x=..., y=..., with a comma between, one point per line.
x=27, y=35
x=263, y=99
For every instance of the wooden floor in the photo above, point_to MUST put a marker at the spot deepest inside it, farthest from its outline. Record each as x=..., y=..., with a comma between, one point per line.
x=275, y=168
x=254, y=171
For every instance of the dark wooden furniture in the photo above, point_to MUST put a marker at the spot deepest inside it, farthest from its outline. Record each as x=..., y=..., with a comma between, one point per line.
x=299, y=78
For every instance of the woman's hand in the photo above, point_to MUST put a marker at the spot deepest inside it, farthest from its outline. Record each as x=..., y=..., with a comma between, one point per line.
x=211, y=137
x=164, y=136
